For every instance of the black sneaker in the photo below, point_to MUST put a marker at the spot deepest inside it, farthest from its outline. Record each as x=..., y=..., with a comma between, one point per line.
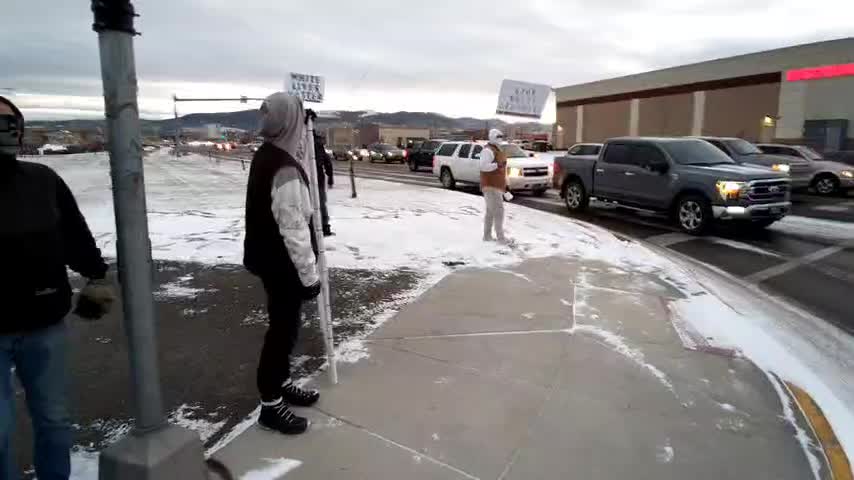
x=299, y=397
x=327, y=232
x=279, y=418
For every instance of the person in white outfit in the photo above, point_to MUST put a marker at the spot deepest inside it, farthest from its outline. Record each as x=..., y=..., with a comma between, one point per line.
x=493, y=183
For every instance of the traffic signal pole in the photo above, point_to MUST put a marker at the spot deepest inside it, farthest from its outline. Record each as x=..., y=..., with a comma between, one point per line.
x=154, y=449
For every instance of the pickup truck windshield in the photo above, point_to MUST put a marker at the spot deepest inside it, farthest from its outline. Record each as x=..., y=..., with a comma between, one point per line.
x=513, y=151
x=743, y=147
x=695, y=152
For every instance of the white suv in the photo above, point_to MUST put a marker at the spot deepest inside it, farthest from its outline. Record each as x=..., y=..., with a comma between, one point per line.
x=460, y=162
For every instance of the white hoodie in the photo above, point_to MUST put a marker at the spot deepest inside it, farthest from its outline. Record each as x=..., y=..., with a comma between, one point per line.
x=487, y=158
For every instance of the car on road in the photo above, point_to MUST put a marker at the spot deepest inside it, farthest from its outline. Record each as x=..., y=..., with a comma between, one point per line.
x=421, y=154
x=383, y=152
x=687, y=178
x=345, y=153
x=826, y=177
x=459, y=162
x=746, y=153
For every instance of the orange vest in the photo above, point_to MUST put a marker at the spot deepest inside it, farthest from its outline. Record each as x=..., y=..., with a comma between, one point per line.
x=498, y=177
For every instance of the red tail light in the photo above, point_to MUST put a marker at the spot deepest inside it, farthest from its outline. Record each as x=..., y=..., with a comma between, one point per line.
x=556, y=167
x=405, y=154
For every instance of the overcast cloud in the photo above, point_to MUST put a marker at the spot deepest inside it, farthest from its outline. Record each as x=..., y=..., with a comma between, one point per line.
x=385, y=55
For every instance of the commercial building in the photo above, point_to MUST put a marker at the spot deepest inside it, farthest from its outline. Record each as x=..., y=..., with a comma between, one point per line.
x=399, y=136
x=341, y=136
x=800, y=94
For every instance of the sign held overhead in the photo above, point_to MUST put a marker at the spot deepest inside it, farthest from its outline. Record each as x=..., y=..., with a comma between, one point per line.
x=309, y=88
x=522, y=99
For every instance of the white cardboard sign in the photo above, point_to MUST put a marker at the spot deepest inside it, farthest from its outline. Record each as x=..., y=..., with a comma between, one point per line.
x=309, y=88
x=522, y=99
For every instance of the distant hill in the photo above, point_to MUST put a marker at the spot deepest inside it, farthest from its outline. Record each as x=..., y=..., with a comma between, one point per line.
x=248, y=120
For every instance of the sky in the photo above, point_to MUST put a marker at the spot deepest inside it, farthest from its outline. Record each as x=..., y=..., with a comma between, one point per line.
x=384, y=55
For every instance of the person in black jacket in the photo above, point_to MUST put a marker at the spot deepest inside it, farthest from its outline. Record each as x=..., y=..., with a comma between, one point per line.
x=280, y=248
x=324, y=173
x=41, y=232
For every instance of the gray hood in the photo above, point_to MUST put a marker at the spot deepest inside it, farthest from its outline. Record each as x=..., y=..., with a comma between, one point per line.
x=283, y=124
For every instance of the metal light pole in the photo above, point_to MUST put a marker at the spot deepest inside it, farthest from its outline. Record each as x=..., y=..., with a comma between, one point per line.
x=154, y=450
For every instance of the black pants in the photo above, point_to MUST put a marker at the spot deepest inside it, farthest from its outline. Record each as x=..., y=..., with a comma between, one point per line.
x=283, y=307
x=324, y=213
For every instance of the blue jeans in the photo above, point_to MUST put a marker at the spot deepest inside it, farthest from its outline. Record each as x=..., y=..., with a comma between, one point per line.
x=39, y=359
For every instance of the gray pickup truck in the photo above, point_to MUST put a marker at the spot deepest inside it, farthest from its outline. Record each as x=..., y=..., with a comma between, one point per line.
x=687, y=178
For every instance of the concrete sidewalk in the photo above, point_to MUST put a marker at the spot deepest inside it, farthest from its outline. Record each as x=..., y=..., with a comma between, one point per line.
x=552, y=370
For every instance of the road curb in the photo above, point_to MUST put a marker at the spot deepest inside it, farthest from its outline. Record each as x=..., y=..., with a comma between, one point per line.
x=836, y=459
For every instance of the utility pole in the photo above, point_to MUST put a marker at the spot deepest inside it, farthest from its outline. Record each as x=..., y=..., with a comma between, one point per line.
x=177, y=127
x=154, y=449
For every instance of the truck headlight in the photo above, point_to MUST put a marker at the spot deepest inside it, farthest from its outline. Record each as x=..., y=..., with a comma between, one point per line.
x=514, y=172
x=781, y=167
x=349, y=152
x=730, y=190
x=551, y=170
x=847, y=173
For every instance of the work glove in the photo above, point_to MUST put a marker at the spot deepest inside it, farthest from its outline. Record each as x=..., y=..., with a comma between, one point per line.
x=95, y=300
x=311, y=291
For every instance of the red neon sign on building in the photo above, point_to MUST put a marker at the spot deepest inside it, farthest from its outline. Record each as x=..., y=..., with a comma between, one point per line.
x=815, y=73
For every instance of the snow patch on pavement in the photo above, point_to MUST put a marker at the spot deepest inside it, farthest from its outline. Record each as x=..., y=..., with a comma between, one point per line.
x=618, y=344
x=743, y=246
x=276, y=469
x=187, y=416
x=814, y=227
x=665, y=453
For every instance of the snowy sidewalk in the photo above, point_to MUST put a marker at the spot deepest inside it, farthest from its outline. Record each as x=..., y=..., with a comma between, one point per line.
x=556, y=368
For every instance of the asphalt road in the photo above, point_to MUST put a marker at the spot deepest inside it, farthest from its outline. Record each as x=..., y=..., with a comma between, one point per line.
x=814, y=272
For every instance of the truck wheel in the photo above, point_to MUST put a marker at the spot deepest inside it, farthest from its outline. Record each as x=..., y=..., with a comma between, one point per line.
x=694, y=214
x=447, y=179
x=826, y=184
x=575, y=196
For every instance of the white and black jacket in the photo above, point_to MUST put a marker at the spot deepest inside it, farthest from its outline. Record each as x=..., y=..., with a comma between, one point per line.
x=279, y=239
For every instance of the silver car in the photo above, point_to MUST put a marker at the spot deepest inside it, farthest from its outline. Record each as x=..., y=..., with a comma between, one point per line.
x=826, y=177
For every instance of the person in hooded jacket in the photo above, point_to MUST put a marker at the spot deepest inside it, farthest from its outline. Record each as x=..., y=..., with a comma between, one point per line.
x=280, y=249
x=41, y=233
x=493, y=184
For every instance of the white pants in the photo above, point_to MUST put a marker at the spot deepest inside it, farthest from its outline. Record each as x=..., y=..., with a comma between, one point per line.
x=494, y=213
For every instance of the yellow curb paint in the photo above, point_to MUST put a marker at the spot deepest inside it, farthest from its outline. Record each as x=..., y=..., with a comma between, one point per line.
x=840, y=467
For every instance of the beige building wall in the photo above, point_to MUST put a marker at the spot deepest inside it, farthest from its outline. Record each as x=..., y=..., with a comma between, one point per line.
x=739, y=111
x=341, y=136
x=669, y=115
x=567, y=118
x=606, y=120
x=395, y=136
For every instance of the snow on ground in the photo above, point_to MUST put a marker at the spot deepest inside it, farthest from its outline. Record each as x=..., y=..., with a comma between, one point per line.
x=196, y=214
x=276, y=468
x=814, y=227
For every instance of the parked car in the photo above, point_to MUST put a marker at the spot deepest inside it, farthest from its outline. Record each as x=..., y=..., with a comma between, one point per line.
x=345, y=153
x=421, y=154
x=459, y=162
x=826, y=177
x=686, y=178
x=746, y=153
x=541, y=146
x=383, y=152
x=584, y=150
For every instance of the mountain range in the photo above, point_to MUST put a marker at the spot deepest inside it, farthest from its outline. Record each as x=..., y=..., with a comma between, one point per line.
x=248, y=120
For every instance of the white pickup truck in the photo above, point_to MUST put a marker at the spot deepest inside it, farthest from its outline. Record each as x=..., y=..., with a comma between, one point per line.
x=459, y=162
